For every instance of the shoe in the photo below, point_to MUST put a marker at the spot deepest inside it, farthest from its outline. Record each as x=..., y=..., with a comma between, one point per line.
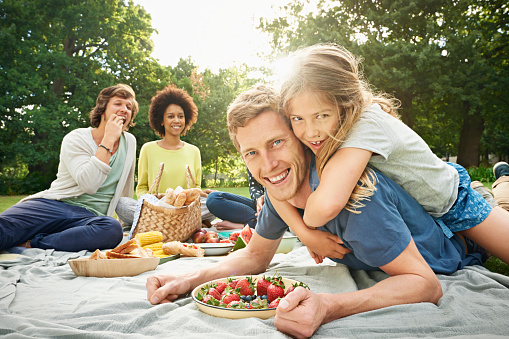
x=484, y=192
x=500, y=169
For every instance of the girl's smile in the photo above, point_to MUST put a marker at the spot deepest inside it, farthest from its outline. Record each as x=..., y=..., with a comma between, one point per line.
x=313, y=119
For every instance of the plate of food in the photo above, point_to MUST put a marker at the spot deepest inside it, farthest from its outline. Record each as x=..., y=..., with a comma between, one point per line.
x=128, y=259
x=241, y=297
x=220, y=248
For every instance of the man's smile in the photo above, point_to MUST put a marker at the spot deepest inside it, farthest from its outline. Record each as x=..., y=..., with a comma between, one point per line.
x=279, y=178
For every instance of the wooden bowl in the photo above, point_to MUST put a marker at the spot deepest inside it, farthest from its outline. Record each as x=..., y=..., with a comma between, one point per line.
x=108, y=268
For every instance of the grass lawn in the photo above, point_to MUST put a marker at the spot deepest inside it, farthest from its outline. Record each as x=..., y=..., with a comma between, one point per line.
x=493, y=264
x=7, y=201
x=244, y=191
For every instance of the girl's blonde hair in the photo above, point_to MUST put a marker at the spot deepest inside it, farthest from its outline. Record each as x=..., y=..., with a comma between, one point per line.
x=331, y=72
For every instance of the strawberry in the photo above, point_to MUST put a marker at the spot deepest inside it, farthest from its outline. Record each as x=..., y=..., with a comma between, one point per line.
x=232, y=282
x=274, y=303
x=294, y=286
x=261, y=286
x=245, y=286
x=233, y=304
x=214, y=293
x=228, y=298
x=258, y=303
x=220, y=286
x=275, y=290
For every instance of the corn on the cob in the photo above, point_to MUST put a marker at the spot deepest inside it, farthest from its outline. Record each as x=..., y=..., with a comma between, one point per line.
x=160, y=254
x=155, y=246
x=148, y=238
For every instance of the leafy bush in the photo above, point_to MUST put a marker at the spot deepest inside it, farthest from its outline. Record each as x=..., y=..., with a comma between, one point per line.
x=242, y=182
x=15, y=186
x=481, y=173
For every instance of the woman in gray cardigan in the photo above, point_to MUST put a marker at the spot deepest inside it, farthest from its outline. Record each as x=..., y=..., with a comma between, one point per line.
x=96, y=168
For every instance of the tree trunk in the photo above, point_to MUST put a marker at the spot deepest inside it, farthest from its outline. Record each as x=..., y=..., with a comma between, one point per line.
x=406, y=111
x=215, y=173
x=470, y=137
x=58, y=84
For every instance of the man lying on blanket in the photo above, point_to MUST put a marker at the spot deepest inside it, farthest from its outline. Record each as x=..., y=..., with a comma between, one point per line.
x=393, y=233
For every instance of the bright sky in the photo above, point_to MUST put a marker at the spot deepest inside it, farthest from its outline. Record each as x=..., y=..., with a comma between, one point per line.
x=214, y=33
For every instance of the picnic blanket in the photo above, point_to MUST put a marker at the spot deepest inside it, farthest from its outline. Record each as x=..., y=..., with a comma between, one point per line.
x=41, y=297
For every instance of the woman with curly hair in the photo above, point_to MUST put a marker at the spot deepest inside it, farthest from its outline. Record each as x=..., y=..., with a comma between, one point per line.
x=172, y=113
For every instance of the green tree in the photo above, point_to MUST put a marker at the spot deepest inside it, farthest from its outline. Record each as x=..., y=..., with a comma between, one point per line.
x=445, y=61
x=56, y=57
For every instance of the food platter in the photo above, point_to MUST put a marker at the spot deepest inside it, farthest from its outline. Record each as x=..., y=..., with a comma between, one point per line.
x=108, y=268
x=287, y=243
x=233, y=313
x=212, y=249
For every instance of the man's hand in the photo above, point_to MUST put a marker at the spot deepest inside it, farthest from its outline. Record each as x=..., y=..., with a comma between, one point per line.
x=114, y=127
x=163, y=289
x=300, y=313
x=323, y=244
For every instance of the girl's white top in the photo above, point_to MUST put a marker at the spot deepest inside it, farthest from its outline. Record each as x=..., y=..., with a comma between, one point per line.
x=404, y=156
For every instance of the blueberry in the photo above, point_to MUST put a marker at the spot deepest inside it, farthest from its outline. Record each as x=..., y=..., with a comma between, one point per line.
x=263, y=297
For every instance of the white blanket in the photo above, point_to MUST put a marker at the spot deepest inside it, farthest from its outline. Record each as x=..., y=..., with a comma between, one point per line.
x=41, y=297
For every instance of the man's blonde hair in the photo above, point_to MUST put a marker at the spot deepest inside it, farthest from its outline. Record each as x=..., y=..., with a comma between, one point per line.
x=331, y=72
x=248, y=105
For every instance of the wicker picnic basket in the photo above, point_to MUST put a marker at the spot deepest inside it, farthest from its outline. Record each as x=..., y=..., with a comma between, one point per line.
x=175, y=224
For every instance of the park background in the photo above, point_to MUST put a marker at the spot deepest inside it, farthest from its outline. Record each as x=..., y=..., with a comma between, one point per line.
x=446, y=61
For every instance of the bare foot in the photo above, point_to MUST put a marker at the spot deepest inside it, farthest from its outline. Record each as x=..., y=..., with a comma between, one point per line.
x=228, y=225
x=25, y=244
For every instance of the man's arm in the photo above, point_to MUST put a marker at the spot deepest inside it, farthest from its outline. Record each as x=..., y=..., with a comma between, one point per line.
x=320, y=244
x=253, y=259
x=411, y=281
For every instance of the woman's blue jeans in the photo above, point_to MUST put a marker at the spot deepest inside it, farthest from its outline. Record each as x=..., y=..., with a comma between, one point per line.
x=232, y=207
x=55, y=224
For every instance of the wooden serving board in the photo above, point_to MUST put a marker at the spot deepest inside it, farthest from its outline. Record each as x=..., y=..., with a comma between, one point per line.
x=107, y=268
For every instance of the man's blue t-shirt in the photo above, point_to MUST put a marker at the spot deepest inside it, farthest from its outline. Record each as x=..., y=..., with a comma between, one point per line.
x=382, y=230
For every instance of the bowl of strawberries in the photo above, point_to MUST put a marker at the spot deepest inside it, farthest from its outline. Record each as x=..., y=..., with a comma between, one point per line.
x=240, y=297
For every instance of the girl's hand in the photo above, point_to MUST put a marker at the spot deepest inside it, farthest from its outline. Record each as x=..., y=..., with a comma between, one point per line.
x=317, y=258
x=323, y=244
